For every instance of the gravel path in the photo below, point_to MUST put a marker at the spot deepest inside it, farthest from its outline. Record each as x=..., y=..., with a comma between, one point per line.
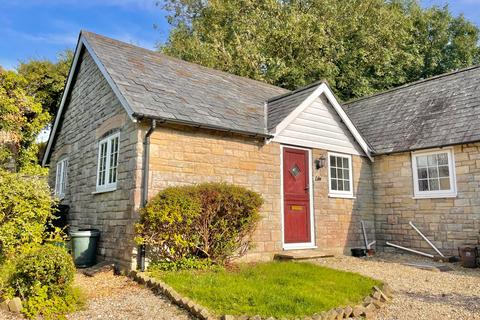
x=119, y=298
x=419, y=294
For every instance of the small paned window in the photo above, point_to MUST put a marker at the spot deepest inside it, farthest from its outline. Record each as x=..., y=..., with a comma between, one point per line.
x=340, y=175
x=108, y=150
x=433, y=174
x=61, y=178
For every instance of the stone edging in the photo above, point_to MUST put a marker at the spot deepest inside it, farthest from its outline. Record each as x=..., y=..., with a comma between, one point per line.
x=14, y=305
x=367, y=309
x=159, y=286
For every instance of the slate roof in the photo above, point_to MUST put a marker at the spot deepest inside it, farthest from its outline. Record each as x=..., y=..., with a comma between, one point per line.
x=439, y=111
x=279, y=107
x=159, y=86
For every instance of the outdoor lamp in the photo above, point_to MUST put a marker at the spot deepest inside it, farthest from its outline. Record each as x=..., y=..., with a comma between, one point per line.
x=320, y=162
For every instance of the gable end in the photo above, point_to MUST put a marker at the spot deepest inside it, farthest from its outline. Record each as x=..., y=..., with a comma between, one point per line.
x=82, y=45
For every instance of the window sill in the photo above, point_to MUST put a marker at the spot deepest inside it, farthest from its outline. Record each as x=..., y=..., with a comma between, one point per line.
x=104, y=190
x=434, y=196
x=344, y=196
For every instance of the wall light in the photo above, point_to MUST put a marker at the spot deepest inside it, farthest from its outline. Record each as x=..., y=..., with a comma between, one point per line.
x=320, y=162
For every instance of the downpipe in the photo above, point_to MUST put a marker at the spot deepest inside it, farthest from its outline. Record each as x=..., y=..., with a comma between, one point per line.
x=145, y=176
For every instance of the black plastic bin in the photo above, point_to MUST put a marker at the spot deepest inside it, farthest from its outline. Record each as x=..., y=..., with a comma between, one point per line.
x=359, y=252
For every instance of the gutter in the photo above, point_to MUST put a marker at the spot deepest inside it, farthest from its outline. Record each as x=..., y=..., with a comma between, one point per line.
x=194, y=124
x=145, y=176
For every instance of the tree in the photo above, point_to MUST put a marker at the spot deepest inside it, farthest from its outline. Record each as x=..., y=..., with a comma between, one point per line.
x=444, y=42
x=358, y=46
x=45, y=79
x=21, y=119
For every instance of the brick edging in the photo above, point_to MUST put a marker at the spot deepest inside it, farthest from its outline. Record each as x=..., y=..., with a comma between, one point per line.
x=367, y=309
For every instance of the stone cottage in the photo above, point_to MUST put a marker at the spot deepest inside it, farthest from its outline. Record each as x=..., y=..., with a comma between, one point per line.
x=134, y=121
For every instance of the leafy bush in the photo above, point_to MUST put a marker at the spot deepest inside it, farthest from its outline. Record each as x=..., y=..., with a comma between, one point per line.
x=43, y=277
x=229, y=217
x=53, y=307
x=25, y=208
x=167, y=223
x=48, y=265
x=190, y=263
x=210, y=220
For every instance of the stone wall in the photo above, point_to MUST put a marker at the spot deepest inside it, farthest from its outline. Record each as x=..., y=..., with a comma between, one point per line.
x=92, y=110
x=448, y=222
x=187, y=156
x=337, y=220
x=180, y=156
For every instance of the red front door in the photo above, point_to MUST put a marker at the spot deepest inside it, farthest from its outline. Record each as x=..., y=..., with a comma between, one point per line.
x=296, y=196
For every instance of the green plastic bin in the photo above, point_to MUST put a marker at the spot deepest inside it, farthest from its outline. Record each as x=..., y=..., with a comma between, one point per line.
x=84, y=247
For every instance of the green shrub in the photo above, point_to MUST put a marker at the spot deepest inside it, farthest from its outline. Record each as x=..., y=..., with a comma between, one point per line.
x=48, y=265
x=53, y=307
x=210, y=220
x=229, y=216
x=190, y=263
x=167, y=223
x=25, y=207
x=43, y=277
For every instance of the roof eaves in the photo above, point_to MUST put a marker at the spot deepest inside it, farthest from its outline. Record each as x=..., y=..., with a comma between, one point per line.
x=58, y=117
x=433, y=146
x=141, y=116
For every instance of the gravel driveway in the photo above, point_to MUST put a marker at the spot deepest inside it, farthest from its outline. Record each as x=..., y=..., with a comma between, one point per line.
x=419, y=294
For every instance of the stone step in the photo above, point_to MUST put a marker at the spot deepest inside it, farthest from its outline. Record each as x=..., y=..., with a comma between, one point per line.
x=99, y=267
x=301, y=255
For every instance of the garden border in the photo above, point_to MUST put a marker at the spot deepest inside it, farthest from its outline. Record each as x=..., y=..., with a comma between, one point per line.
x=371, y=304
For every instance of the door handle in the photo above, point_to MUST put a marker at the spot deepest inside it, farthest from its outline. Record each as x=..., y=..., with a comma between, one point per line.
x=307, y=187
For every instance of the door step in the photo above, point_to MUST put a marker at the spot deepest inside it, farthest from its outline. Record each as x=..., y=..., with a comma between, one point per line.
x=301, y=255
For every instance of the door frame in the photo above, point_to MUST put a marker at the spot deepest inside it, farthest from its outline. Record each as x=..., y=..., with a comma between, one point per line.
x=303, y=245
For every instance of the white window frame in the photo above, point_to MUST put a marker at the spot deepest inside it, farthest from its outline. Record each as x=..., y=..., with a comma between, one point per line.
x=452, y=192
x=107, y=186
x=61, y=178
x=337, y=193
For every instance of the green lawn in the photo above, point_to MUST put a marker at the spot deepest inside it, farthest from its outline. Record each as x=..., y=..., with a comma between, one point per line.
x=279, y=289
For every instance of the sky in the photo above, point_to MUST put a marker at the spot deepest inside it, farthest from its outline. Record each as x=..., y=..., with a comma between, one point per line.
x=39, y=29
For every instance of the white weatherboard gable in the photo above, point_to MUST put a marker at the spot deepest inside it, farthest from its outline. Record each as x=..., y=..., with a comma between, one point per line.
x=319, y=122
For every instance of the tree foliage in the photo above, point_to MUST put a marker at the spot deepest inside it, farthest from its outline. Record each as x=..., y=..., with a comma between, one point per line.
x=29, y=99
x=358, y=46
x=21, y=120
x=46, y=79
